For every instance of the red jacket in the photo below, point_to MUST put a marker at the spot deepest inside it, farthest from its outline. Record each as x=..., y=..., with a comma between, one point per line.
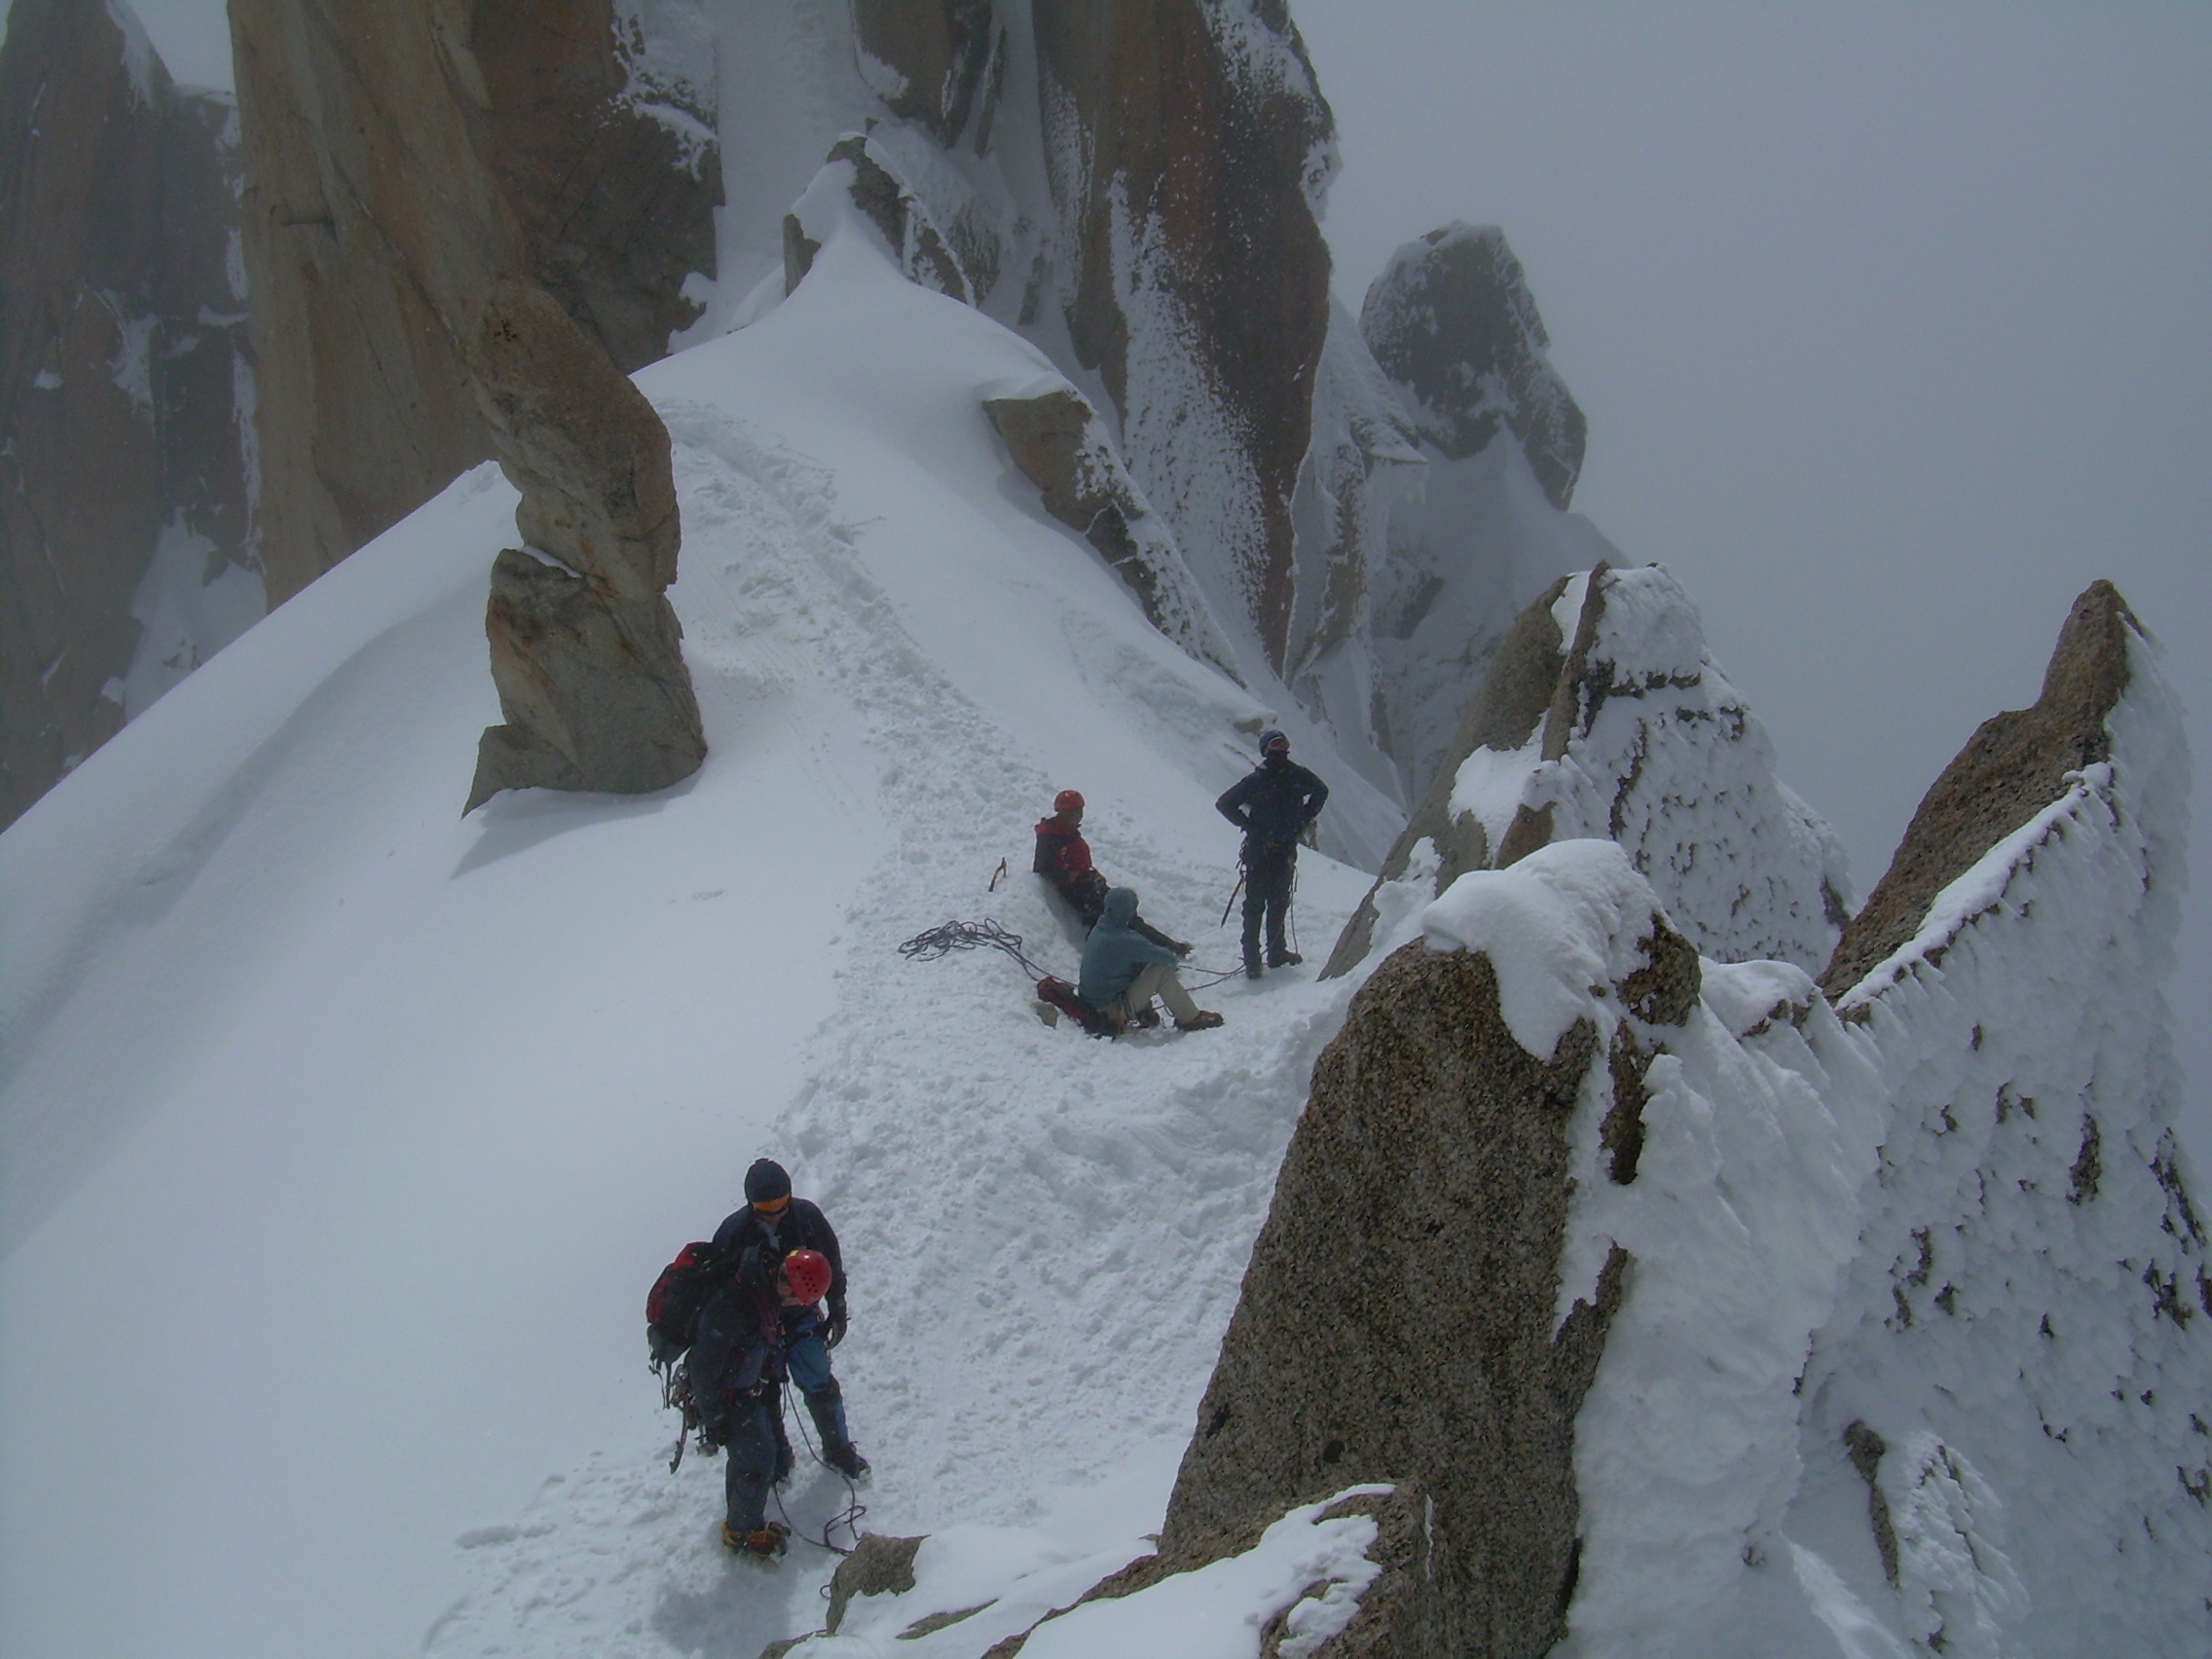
x=1063, y=856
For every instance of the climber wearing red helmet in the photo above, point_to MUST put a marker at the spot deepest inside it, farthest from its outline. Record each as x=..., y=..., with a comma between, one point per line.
x=796, y=1251
x=1063, y=860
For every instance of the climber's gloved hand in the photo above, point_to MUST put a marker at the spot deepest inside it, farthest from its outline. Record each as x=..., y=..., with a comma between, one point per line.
x=837, y=1331
x=1181, y=950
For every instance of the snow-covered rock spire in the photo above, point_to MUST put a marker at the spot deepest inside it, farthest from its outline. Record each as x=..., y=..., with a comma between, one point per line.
x=1605, y=716
x=2012, y=1388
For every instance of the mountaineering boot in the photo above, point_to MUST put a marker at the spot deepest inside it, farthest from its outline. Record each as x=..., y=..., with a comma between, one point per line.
x=766, y=1544
x=1251, y=967
x=1205, y=1020
x=845, y=1458
x=1284, y=959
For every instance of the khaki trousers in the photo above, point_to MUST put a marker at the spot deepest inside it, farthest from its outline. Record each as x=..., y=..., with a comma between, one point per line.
x=1157, y=979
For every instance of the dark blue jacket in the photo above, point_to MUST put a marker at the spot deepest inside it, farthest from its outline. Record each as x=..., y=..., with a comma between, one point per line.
x=804, y=1228
x=1272, y=805
x=1116, y=953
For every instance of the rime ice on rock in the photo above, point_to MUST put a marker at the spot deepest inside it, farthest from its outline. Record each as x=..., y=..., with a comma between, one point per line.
x=1584, y=1359
x=1603, y=716
x=2015, y=1380
x=1919, y=1312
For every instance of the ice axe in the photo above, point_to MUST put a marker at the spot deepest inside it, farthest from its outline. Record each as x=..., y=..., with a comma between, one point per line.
x=1232, y=905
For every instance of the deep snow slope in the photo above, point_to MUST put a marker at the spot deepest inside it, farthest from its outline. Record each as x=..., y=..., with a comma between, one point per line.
x=341, y=1136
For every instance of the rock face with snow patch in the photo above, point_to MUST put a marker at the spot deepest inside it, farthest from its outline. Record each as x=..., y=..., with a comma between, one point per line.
x=585, y=648
x=932, y=61
x=394, y=167
x=1432, y=504
x=1641, y=740
x=125, y=555
x=898, y=216
x=1400, y=1315
x=1060, y=446
x=1187, y=145
x=1452, y=322
x=615, y=194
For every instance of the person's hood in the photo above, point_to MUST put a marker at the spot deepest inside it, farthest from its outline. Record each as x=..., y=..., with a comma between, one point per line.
x=1119, y=906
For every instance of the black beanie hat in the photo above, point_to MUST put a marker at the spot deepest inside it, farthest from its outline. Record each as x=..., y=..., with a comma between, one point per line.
x=766, y=1179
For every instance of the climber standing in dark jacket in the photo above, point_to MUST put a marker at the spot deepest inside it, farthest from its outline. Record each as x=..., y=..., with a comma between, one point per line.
x=776, y=1224
x=1272, y=805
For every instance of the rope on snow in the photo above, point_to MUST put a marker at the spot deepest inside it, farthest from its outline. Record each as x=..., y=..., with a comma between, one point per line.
x=943, y=939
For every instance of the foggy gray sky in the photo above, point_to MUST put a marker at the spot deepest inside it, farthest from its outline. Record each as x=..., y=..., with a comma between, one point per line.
x=1893, y=322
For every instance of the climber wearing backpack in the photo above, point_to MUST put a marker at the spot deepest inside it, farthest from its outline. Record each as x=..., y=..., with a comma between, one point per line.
x=1123, y=971
x=777, y=1224
x=1272, y=805
x=733, y=1377
x=1063, y=860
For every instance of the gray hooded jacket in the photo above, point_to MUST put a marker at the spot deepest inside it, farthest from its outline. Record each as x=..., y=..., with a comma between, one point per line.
x=1115, y=952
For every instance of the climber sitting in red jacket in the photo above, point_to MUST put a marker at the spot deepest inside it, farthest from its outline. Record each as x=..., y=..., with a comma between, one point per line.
x=1063, y=860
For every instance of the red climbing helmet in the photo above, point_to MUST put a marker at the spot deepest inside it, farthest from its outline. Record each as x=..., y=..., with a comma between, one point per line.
x=1068, y=801
x=807, y=1273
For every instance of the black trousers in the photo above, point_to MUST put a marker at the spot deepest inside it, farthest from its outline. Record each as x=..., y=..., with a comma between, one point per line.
x=1268, y=880
x=757, y=1456
x=1087, y=899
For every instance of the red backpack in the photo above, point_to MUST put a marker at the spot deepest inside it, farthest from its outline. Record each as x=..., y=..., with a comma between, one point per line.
x=672, y=1306
x=1056, y=992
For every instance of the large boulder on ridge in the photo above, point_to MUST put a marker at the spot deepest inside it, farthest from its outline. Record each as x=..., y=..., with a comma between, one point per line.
x=586, y=651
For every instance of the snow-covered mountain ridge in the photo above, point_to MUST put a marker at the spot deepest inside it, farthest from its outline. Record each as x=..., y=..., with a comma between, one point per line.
x=345, y=1134
x=299, y=1063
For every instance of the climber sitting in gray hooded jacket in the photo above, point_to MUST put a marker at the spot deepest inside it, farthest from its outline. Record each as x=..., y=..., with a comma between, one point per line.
x=1123, y=971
